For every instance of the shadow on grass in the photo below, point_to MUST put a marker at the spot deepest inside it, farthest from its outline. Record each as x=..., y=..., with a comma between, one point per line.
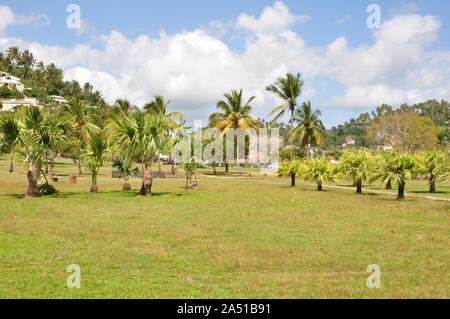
x=428, y=193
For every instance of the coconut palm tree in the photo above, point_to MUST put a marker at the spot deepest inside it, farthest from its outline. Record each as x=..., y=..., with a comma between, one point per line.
x=31, y=130
x=309, y=128
x=95, y=156
x=125, y=106
x=83, y=125
x=291, y=169
x=159, y=106
x=437, y=167
x=27, y=60
x=235, y=115
x=319, y=170
x=126, y=169
x=139, y=135
x=401, y=168
x=13, y=54
x=357, y=164
x=289, y=89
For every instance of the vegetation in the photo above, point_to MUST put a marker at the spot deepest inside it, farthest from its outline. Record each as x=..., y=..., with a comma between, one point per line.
x=319, y=171
x=291, y=169
x=126, y=169
x=95, y=157
x=436, y=166
x=358, y=165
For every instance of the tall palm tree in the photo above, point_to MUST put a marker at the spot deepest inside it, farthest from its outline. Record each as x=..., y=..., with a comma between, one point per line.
x=309, y=129
x=159, y=106
x=125, y=106
x=289, y=89
x=81, y=120
x=13, y=54
x=139, y=136
x=235, y=115
x=27, y=60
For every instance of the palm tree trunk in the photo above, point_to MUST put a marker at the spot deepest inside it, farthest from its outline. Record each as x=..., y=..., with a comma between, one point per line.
x=319, y=186
x=11, y=162
x=147, y=181
x=389, y=185
x=401, y=191
x=238, y=161
x=292, y=180
x=432, y=184
x=159, y=164
x=126, y=186
x=94, y=187
x=46, y=162
x=227, y=168
x=32, y=177
x=359, y=186
x=291, y=132
x=214, y=169
x=173, y=168
x=79, y=162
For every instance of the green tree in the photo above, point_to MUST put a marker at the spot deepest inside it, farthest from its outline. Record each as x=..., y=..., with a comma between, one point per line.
x=320, y=171
x=289, y=89
x=357, y=164
x=126, y=169
x=290, y=169
x=309, y=128
x=95, y=157
x=437, y=166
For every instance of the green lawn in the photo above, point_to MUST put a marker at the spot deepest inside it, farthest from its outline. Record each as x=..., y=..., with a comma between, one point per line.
x=230, y=238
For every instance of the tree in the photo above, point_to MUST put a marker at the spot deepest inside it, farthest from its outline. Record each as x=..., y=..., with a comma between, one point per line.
x=95, y=156
x=399, y=169
x=437, y=166
x=125, y=106
x=235, y=115
x=310, y=129
x=82, y=123
x=291, y=169
x=125, y=167
x=159, y=106
x=139, y=136
x=9, y=137
x=13, y=55
x=405, y=132
x=288, y=89
x=319, y=170
x=358, y=165
x=27, y=60
x=31, y=131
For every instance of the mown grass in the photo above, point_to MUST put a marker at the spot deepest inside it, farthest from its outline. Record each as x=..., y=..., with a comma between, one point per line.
x=230, y=238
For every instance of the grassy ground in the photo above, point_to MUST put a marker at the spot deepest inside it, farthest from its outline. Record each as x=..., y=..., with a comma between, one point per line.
x=230, y=238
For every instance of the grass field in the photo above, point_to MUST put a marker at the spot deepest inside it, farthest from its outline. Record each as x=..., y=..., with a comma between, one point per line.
x=230, y=238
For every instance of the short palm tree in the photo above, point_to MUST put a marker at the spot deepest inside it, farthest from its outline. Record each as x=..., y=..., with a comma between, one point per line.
x=309, y=128
x=9, y=137
x=290, y=169
x=320, y=171
x=401, y=168
x=289, y=89
x=95, y=157
x=126, y=169
x=357, y=164
x=139, y=136
x=437, y=167
x=235, y=115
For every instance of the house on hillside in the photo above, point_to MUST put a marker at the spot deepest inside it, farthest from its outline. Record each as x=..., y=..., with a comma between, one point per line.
x=11, y=81
x=8, y=104
x=349, y=140
x=59, y=99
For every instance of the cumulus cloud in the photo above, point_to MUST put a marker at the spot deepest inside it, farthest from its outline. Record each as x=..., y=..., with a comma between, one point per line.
x=194, y=68
x=7, y=18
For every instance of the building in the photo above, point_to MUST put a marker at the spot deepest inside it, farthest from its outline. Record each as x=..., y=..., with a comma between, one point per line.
x=349, y=140
x=59, y=99
x=11, y=81
x=8, y=104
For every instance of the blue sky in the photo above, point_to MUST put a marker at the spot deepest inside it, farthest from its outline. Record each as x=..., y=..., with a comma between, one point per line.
x=327, y=21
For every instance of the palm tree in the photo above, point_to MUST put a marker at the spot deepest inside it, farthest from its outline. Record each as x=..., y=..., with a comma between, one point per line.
x=235, y=115
x=291, y=169
x=125, y=106
x=13, y=54
x=27, y=60
x=401, y=168
x=95, y=157
x=437, y=167
x=288, y=89
x=125, y=167
x=159, y=106
x=358, y=165
x=82, y=124
x=310, y=129
x=9, y=137
x=139, y=136
x=319, y=170
x=31, y=132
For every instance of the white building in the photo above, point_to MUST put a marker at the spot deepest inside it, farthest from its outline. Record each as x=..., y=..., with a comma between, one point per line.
x=8, y=104
x=59, y=99
x=11, y=81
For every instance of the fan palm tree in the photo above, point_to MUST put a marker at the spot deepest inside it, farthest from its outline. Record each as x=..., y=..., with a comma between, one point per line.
x=437, y=167
x=319, y=170
x=289, y=89
x=358, y=165
x=401, y=168
x=235, y=115
x=291, y=169
x=125, y=167
x=83, y=127
x=139, y=136
x=309, y=129
x=95, y=157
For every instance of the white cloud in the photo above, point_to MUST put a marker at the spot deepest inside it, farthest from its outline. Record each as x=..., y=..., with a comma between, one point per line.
x=7, y=18
x=194, y=68
x=344, y=19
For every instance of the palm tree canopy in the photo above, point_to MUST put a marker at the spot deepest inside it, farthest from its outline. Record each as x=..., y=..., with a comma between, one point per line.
x=159, y=106
x=309, y=128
